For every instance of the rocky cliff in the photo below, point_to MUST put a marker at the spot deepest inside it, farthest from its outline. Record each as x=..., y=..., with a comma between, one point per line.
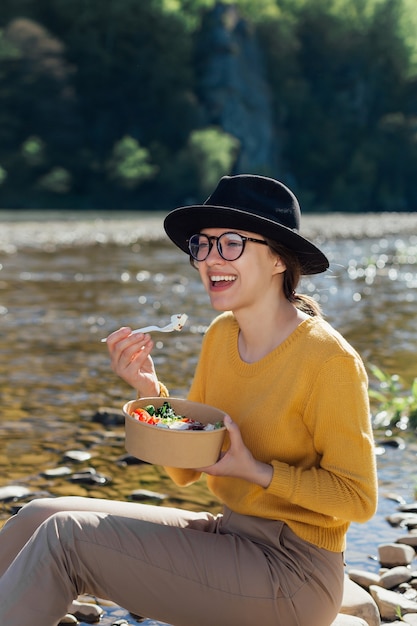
x=233, y=90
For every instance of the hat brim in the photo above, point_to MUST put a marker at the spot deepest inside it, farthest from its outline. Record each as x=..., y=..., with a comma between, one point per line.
x=180, y=224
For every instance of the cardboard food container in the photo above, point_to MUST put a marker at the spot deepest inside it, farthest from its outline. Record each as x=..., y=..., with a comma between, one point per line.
x=174, y=448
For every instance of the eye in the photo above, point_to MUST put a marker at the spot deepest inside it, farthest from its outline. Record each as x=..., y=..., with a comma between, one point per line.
x=203, y=244
x=232, y=241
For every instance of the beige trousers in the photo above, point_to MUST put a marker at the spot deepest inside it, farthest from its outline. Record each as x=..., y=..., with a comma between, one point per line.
x=180, y=567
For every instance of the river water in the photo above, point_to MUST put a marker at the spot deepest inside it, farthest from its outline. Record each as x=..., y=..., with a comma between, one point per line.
x=67, y=280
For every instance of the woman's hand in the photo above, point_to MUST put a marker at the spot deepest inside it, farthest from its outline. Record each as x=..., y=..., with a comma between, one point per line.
x=131, y=360
x=238, y=461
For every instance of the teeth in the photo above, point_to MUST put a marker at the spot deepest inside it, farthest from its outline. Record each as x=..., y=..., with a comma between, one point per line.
x=216, y=279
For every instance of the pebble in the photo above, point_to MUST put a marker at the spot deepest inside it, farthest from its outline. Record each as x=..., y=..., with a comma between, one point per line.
x=13, y=492
x=109, y=416
x=89, y=476
x=145, y=494
x=57, y=472
x=77, y=455
x=68, y=619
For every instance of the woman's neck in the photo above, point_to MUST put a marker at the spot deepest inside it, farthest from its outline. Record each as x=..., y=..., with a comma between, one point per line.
x=261, y=334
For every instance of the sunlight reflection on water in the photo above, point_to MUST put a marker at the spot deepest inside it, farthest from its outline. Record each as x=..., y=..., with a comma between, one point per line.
x=65, y=283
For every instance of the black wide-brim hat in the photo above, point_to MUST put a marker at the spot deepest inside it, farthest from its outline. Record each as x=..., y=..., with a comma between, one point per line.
x=251, y=203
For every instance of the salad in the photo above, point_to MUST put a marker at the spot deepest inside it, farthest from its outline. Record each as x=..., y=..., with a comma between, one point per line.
x=165, y=417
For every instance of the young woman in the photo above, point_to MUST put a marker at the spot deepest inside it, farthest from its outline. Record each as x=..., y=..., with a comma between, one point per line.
x=297, y=468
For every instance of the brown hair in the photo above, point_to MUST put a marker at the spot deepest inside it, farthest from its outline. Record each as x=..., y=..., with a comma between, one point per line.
x=292, y=276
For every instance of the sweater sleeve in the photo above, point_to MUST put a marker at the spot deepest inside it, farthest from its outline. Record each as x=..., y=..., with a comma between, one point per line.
x=343, y=484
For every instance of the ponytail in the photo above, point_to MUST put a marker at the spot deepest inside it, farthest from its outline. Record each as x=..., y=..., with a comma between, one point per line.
x=307, y=304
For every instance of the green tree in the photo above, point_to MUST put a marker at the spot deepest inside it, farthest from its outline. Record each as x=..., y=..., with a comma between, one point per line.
x=213, y=154
x=129, y=164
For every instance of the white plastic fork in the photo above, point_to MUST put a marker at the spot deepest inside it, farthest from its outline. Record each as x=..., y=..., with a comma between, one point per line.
x=177, y=323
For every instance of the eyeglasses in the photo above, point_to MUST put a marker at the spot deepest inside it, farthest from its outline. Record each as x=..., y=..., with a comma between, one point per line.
x=229, y=245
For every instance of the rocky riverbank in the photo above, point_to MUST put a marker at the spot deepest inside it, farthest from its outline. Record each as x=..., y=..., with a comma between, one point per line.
x=371, y=598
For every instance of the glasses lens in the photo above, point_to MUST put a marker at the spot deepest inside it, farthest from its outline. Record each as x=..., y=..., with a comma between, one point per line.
x=230, y=246
x=199, y=247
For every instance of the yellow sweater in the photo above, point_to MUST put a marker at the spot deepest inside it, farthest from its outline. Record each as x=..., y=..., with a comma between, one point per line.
x=304, y=409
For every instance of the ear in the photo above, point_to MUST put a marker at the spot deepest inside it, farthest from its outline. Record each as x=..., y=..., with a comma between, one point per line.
x=279, y=265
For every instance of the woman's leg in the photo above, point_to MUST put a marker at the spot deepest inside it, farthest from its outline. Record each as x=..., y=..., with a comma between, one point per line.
x=177, y=574
x=19, y=528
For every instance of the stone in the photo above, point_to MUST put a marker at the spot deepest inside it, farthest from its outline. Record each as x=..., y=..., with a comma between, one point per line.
x=359, y=603
x=348, y=620
x=68, y=619
x=390, y=603
x=410, y=540
x=363, y=578
x=13, y=492
x=108, y=416
x=410, y=594
x=86, y=612
x=89, y=476
x=411, y=507
x=392, y=554
x=79, y=456
x=146, y=494
x=401, y=519
x=57, y=472
x=395, y=497
x=410, y=618
x=233, y=89
x=395, y=576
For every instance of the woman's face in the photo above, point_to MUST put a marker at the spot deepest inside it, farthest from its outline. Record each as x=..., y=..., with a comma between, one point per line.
x=248, y=281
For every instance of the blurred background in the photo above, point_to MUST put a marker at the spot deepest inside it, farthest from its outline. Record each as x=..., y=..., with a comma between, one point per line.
x=145, y=104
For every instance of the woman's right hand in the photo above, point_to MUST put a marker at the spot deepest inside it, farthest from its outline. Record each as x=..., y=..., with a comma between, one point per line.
x=131, y=360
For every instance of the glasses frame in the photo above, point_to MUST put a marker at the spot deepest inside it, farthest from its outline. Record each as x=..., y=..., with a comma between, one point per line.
x=211, y=239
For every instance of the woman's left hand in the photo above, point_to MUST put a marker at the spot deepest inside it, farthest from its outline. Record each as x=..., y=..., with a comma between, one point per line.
x=238, y=461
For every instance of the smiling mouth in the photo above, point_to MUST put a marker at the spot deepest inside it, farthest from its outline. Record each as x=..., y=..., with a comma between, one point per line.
x=215, y=280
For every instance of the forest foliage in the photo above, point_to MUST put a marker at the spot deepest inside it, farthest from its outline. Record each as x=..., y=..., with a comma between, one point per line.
x=99, y=103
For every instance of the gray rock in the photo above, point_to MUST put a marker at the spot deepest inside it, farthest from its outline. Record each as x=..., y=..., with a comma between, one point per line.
x=89, y=476
x=363, y=578
x=109, y=416
x=410, y=539
x=145, y=494
x=79, y=456
x=401, y=519
x=411, y=507
x=86, y=612
x=395, y=576
x=57, y=472
x=359, y=603
x=68, y=619
x=13, y=492
x=233, y=88
x=390, y=603
x=392, y=554
x=349, y=620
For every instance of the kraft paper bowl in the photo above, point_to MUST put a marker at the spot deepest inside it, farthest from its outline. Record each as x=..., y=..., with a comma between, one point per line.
x=174, y=448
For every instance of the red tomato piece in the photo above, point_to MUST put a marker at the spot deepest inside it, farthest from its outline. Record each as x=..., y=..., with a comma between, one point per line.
x=143, y=416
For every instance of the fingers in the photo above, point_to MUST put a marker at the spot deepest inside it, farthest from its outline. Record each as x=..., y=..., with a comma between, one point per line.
x=129, y=353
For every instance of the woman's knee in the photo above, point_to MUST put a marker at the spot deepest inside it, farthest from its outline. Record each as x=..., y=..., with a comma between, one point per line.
x=39, y=510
